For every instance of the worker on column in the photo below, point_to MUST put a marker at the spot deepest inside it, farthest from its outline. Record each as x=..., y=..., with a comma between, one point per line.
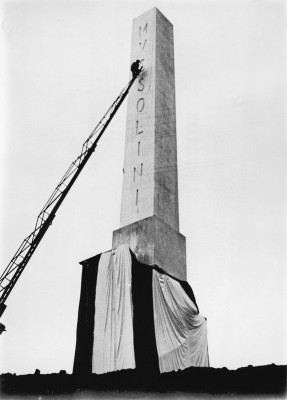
x=135, y=68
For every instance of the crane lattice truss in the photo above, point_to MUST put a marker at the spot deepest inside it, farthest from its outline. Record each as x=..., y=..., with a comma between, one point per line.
x=22, y=256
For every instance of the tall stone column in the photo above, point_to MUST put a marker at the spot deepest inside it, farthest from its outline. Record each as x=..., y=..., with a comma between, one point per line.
x=149, y=209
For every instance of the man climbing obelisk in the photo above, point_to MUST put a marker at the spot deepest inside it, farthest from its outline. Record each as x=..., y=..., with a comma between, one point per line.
x=149, y=208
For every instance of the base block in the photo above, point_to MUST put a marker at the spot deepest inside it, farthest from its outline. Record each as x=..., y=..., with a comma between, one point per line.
x=155, y=242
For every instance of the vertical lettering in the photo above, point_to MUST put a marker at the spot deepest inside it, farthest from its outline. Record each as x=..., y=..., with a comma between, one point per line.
x=143, y=30
x=139, y=172
x=137, y=129
x=140, y=89
x=140, y=104
x=137, y=197
x=142, y=64
x=142, y=46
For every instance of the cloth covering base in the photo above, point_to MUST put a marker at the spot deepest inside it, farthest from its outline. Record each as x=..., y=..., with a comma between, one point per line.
x=133, y=315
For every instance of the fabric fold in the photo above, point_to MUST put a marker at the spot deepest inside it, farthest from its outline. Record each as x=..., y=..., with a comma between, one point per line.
x=113, y=346
x=181, y=333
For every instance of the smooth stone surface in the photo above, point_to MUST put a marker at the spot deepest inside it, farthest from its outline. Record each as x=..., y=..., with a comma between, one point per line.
x=150, y=182
x=149, y=208
x=154, y=242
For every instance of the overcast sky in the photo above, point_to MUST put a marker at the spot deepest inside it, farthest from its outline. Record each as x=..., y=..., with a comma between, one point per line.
x=66, y=62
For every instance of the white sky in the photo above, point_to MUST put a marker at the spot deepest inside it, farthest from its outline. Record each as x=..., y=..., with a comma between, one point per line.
x=66, y=62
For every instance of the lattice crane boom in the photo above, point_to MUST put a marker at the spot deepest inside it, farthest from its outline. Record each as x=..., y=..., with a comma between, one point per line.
x=22, y=256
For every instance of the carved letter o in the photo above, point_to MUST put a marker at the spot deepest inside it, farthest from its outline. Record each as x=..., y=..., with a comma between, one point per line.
x=140, y=104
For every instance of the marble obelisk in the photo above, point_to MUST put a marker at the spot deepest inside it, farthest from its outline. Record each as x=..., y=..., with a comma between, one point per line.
x=149, y=208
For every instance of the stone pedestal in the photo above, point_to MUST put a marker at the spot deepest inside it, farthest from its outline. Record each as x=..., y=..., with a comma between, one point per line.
x=153, y=241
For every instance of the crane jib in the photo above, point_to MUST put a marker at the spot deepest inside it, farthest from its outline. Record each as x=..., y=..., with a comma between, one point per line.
x=22, y=256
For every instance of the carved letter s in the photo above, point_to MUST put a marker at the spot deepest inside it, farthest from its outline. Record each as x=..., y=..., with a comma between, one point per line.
x=140, y=89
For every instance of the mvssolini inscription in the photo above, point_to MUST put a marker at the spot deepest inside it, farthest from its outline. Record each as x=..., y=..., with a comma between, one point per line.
x=140, y=106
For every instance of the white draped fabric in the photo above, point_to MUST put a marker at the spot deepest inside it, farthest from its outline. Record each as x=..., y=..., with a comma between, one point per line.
x=181, y=333
x=113, y=333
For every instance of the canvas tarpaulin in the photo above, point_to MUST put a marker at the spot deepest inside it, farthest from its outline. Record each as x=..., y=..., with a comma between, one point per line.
x=181, y=334
x=133, y=315
x=113, y=334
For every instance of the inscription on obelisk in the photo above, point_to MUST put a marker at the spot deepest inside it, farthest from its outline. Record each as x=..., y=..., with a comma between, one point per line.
x=149, y=208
